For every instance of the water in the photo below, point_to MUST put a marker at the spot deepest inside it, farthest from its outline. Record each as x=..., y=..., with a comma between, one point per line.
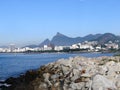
x=14, y=64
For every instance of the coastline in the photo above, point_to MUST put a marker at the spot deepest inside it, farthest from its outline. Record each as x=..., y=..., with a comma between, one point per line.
x=74, y=52
x=73, y=72
x=39, y=58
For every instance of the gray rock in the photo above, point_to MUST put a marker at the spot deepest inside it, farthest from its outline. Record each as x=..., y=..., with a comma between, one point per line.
x=76, y=74
x=65, y=69
x=77, y=86
x=88, y=85
x=43, y=86
x=118, y=82
x=102, y=83
x=55, y=76
x=46, y=79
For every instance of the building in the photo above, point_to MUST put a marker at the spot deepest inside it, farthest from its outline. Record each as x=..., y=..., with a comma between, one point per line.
x=112, y=46
x=58, y=48
x=47, y=48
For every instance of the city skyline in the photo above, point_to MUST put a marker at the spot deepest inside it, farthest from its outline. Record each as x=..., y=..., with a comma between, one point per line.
x=25, y=22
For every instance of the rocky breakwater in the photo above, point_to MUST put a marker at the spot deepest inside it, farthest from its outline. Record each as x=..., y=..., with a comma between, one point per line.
x=78, y=73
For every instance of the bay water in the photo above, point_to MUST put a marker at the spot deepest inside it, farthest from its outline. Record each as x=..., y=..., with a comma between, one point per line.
x=14, y=64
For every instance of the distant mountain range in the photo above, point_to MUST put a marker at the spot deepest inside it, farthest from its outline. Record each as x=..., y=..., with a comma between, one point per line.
x=60, y=39
x=107, y=37
x=63, y=40
x=3, y=46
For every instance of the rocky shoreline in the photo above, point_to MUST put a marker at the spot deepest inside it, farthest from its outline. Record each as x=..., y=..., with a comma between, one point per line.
x=75, y=73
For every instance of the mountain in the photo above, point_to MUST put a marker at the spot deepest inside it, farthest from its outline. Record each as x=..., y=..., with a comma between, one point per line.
x=45, y=42
x=91, y=37
x=106, y=38
x=63, y=40
x=60, y=39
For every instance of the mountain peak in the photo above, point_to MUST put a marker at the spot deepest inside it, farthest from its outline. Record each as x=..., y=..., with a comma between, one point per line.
x=110, y=34
x=106, y=38
x=59, y=34
x=45, y=42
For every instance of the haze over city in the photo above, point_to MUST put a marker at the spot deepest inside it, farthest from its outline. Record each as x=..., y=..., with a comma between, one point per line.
x=30, y=22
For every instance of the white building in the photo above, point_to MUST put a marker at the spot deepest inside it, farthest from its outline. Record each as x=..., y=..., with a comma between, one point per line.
x=74, y=46
x=112, y=46
x=58, y=48
x=46, y=47
x=86, y=46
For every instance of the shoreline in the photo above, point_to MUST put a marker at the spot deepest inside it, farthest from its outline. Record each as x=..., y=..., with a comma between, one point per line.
x=114, y=53
x=23, y=72
x=52, y=74
x=68, y=51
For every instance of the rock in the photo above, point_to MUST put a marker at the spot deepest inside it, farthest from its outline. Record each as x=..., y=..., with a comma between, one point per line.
x=46, y=79
x=57, y=84
x=54, y=77
x=103, y=70
x=86, y=75
x=102, y=83
x=75, y=74
x=88, y=85
x=64, y=62
x=43, y=86
x=46, y=76
x=65, y=69
x=118, y=82
x=77, y=86
x=65, y=87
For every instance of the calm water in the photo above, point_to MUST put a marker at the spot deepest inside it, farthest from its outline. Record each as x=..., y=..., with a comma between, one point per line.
x=15, y=64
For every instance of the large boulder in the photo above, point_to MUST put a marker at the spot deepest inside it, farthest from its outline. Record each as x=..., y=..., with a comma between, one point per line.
x=102, y=83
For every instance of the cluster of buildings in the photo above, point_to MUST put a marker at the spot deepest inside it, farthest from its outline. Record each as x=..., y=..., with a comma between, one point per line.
x=13, y=48
x=95, y=46
x=87, y=45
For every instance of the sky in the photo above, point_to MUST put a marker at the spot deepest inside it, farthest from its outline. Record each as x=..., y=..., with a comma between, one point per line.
x=25, y=22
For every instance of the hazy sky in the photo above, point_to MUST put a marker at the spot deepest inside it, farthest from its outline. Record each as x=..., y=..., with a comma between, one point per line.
x=32, y=21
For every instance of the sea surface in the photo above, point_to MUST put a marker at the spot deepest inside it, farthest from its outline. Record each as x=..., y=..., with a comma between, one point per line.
x=12, y=65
